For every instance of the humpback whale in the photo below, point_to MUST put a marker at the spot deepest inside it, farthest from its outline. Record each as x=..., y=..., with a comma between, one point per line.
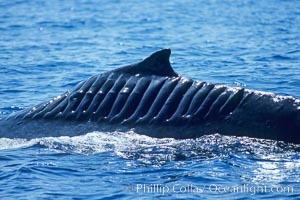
x=152, y=99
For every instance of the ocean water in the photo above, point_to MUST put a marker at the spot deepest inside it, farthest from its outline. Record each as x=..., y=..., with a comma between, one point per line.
x=46, y=47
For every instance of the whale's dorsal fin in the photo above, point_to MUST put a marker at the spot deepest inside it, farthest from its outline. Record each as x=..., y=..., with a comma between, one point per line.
x=156, y=64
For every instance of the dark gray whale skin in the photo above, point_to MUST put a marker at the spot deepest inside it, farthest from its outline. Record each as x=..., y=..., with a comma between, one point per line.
x=152, y=99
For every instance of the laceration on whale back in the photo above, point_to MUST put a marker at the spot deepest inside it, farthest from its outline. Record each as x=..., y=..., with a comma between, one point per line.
x=133, y=100
x=76, y=97
x=217, y=104
x=207, y=102
x=146, y=101
x=122, y=96
x=127, y=99
x=107, y=103
x=232, y=103
x=43, y=108
x=81, y=110
x=186, y=101
x=172, y=102
x=51, y=105
x=100, y=95
x=159, y=100
x=142, y=93
x=58, y=109
x=198, y=99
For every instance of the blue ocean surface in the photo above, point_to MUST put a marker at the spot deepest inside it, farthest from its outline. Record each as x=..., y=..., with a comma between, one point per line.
x=47, y=47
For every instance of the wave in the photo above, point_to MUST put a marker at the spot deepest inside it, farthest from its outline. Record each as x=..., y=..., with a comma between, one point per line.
x=130, y=145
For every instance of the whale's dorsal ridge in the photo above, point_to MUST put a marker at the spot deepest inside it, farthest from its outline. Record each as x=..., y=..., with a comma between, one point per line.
x=157, y=63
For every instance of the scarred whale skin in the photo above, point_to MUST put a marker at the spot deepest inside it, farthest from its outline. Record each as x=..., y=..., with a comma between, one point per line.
x=151, y=98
